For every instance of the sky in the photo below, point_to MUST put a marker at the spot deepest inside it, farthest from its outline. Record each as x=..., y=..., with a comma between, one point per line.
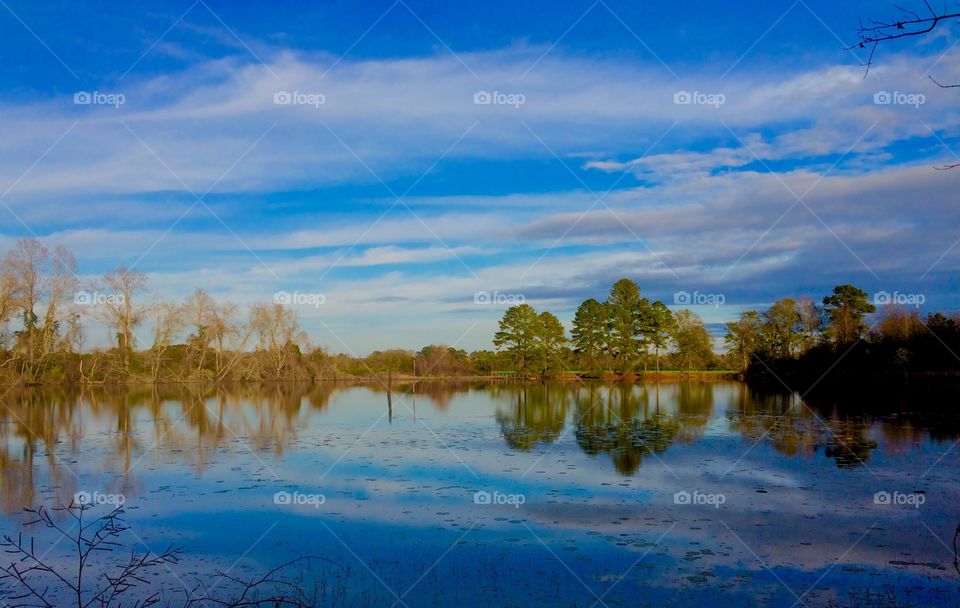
x=400, y=172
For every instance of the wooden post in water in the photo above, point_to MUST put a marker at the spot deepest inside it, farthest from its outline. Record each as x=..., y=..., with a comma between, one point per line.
x=389, y=397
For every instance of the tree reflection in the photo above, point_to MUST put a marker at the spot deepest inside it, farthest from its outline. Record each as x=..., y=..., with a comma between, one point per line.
x=795, y=426
x=622, y=422
x=48, y=426
x=537, y=414
x=626, y=421
x=630, y=421
x=44, y=431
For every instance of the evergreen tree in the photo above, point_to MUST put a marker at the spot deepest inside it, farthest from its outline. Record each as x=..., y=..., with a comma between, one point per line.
x=518, y=333
x=589, y=333
x=626, y=310
x=551, y=339
x=845, y=310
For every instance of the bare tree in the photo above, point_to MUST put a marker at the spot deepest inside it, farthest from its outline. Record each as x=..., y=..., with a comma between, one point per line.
x=224, y=328
x=278, y=330
x=167, y=324
x=8, y=305
x=40, y=282
x=810, y=323
x=200, y=309
x=119, y=309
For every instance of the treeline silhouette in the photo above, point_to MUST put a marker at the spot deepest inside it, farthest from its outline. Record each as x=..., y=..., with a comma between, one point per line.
x=803, y=344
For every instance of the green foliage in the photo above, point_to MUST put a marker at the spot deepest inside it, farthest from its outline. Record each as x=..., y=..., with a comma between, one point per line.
x=781, y=331
x=517, y=335
x=845, y=309
x=691, y=341
x=627, y=315
x=589, y=334
x=744, y=335
x=551, y=340
x=534, y=342
x=485, y=361
x=658, y=326
x=620, y=329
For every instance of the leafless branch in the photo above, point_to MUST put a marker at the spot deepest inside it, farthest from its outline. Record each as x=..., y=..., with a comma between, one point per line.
x=34, y=573
x=912, y=25
x=944, y=86
x=43, y=583
x=956, y=553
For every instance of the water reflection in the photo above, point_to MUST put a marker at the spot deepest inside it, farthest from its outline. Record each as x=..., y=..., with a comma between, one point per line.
x=36, y=424
x=44, y=428
x=621, y=422
x=535, y=414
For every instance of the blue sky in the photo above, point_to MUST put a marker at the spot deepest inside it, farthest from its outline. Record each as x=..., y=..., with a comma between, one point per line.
x=399, y=198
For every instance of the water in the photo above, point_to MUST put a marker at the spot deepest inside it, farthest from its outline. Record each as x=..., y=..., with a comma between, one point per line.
x=675, y=494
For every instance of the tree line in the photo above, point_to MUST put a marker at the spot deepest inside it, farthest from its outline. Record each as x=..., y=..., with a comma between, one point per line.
x=795, y=339
x=845, y=335
x=44, y=307
x=192, y=340
x=199, y=338
x=625, y=334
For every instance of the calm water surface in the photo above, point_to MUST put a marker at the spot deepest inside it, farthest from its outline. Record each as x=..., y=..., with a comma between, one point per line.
x=532, y=495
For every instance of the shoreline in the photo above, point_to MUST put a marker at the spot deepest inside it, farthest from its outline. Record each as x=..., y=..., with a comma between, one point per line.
x=388, y=379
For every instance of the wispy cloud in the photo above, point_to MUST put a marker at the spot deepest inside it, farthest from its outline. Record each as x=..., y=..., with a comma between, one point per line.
x=713, y=203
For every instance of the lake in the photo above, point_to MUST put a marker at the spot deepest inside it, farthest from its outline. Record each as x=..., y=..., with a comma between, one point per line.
x=473, y=494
